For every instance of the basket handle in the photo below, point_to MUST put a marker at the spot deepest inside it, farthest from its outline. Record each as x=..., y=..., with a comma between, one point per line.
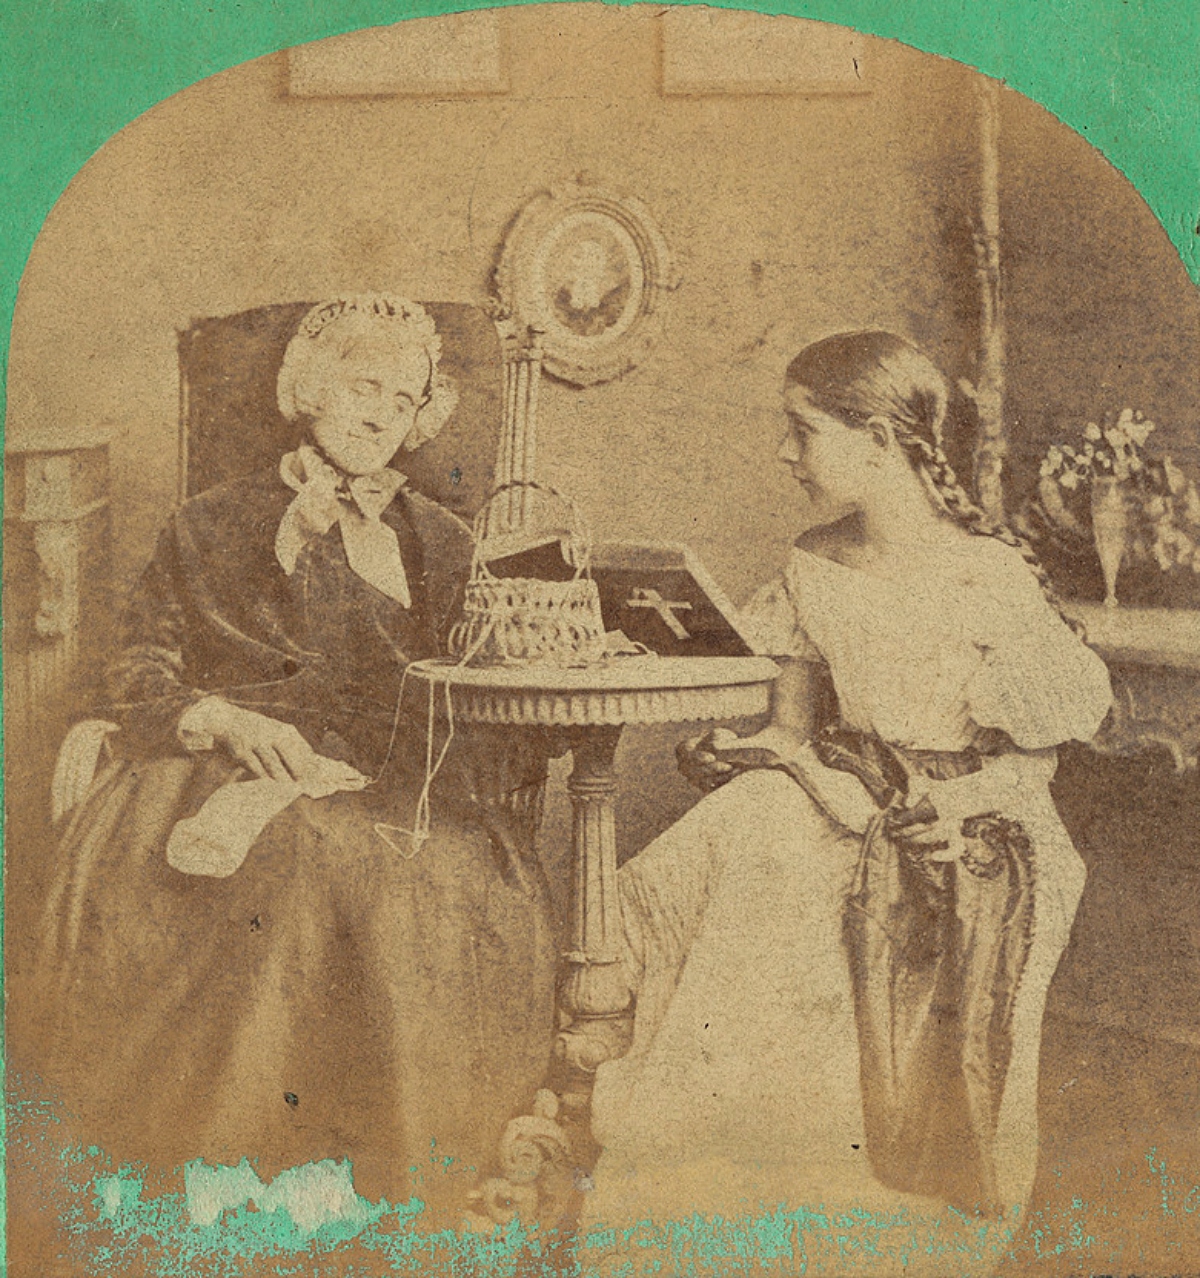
x=580, y=545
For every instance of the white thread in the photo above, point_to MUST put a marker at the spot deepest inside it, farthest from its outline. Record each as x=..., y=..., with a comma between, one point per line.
x=423, y=816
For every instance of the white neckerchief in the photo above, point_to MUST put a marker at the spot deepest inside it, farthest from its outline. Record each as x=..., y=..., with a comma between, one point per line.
x=324, y=498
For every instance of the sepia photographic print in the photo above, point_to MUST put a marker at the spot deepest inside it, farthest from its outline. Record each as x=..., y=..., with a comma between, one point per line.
x=602, y=672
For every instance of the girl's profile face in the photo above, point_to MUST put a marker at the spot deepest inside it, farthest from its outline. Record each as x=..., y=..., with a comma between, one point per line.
x=832, y=462
x=369, y=404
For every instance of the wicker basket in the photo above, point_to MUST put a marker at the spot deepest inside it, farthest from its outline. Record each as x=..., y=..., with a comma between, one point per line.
x=525, y=621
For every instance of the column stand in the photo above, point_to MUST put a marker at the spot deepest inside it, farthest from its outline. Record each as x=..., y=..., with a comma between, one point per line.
x=595, y=992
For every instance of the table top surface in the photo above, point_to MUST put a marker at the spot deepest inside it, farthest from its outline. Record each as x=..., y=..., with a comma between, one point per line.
x=612, y=675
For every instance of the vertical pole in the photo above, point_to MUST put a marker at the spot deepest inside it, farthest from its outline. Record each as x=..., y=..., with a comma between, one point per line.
x=516, y=498
x=991, y=446
x=505, y=469
x=531, y=424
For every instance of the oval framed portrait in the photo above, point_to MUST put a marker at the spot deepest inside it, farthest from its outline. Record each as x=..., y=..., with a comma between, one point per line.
x=587, y=269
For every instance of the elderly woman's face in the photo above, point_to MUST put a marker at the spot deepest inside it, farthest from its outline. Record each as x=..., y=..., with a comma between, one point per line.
x=369, y=405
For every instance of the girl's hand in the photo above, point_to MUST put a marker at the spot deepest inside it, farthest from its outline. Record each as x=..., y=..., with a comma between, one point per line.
x=698, y=762
x=996, y=788
x=714, y=758
x=940, y=839
x=265, y=747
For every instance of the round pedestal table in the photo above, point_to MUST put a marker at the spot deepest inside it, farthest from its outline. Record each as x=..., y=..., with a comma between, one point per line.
x=593, y=704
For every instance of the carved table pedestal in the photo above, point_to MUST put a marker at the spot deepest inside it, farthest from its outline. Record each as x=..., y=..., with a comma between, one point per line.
x=592, y=704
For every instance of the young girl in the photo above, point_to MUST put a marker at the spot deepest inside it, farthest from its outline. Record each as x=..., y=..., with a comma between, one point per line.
x=840, y=975
x=247, y=951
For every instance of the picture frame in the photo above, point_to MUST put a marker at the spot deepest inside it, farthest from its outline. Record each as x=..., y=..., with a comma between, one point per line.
x=588, y=270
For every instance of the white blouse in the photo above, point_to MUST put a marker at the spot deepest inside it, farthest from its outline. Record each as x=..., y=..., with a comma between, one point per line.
x=965, y=641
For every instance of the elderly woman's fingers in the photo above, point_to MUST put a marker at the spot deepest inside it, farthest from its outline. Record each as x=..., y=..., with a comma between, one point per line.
x=296, y=755
x=248, y=759
x=699, y=765
x=709, y=761
x=273, y=765
x=266, y=747
x=329, y=776
x=685, y=749
x=343, y=775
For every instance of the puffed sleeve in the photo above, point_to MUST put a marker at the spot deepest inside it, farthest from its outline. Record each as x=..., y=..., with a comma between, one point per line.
x=1037, y=680
x=770, y=623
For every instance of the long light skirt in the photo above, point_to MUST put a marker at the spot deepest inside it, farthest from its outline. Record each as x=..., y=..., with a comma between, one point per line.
x=740, y=1093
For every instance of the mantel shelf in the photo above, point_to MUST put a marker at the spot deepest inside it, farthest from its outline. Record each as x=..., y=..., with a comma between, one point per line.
x=1153, y=655
x=1142, y=636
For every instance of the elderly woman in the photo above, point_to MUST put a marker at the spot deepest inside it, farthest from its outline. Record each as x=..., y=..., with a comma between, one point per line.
x=273, y=932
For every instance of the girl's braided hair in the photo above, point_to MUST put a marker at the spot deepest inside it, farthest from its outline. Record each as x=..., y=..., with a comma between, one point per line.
x=857, y=376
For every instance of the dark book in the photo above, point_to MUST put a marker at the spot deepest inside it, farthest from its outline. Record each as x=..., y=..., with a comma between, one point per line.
x=658, y=594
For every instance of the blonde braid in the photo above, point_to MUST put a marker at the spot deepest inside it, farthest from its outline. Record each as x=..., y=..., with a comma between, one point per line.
x=933, y=461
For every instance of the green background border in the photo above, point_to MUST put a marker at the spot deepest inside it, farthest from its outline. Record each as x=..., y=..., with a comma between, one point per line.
x=1124, y=73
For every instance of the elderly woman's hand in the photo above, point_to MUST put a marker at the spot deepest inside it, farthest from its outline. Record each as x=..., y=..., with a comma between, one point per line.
x=265, y=747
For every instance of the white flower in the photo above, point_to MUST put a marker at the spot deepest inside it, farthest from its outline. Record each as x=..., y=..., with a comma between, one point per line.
x=1091, y=431
x=1069, y=479
x=1139, y=431
x=1051, y=462
x=1191, y=505
x=1176, y=479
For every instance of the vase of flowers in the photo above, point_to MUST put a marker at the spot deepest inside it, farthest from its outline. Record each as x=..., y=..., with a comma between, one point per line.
x=1139, y=505
x=1110, y=531
x=1170, y=532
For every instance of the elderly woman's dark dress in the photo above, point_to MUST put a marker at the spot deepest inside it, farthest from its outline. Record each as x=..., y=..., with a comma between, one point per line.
x=338, y=995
